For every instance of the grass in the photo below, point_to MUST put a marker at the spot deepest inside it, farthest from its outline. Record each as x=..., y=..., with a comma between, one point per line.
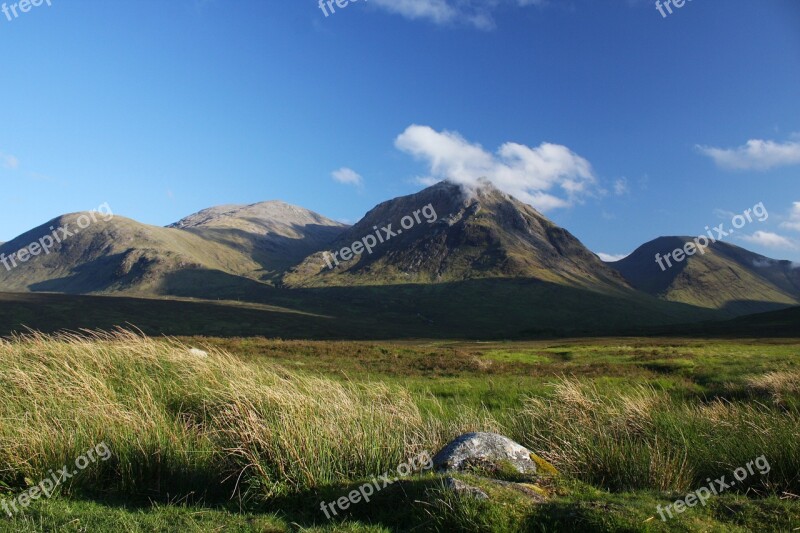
x=235, y=306
x=255, y=435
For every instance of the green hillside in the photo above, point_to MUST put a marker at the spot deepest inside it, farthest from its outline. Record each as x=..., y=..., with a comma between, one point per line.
x=725, y=277
x=118, y=255
x=474, y=309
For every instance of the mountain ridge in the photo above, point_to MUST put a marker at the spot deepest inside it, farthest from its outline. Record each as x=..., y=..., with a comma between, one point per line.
x=457, y=237
x=483, y=233
x=722, y=276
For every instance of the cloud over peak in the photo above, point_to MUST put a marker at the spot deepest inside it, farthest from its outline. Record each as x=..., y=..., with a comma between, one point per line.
x=547, y=176
x=768, y=239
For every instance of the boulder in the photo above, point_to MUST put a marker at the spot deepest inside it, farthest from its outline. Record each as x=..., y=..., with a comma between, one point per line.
x=484, y=450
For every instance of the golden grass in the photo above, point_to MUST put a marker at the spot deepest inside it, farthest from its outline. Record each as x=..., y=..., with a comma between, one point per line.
x=641, y=438
x=175, y=420
x=778, y=386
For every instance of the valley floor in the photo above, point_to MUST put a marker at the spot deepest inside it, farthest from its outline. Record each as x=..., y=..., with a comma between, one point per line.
x=252, y=434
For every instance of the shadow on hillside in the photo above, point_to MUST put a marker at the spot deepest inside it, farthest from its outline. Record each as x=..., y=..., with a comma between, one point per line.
x=274, y=253
x=474, y=309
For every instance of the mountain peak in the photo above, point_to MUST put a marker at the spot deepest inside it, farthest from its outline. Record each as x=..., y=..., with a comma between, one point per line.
x=722, y=276
x=260, y=215
x=473, y=233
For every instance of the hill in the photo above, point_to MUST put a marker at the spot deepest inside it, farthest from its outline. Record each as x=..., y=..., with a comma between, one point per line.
x=725, y=277
x=274, y=234
x=444, y=263
x=445, y=234
x=119, y=255
x=213, y=251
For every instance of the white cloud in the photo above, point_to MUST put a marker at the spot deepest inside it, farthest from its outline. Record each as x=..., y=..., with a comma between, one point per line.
x=532, y=175
x=764, y=262
x=610, y=258
x=347, y=176
x=755, y=155
x=770, y=240
x=621, y=187
x=477, y=13
x=8, y=161
x=794, y=218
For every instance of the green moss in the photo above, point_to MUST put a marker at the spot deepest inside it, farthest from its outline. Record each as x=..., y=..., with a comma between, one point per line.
x=543, y=467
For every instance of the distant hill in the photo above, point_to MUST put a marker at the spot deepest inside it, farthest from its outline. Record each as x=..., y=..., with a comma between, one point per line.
x=209, y=252
x=725, y=277
x=477, y=235
x=120, y=255
x=274, y=234
x=467, y=264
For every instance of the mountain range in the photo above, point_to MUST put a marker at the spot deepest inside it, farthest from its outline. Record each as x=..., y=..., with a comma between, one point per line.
x=445, y=261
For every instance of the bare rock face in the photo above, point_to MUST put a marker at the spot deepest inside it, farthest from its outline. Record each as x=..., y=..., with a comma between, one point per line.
x=484, y=449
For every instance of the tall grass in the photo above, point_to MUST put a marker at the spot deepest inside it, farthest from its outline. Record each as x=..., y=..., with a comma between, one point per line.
x=181, y=424
x=642, y=439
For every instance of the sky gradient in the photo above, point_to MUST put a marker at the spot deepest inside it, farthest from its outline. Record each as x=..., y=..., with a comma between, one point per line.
x=619, y=124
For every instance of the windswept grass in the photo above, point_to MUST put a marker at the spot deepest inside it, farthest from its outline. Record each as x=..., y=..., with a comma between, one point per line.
x=180, y=424
x=643, y=439
x=256, y=441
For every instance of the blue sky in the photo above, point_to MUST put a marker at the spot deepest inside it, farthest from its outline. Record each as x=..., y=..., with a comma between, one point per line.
x=619, y=124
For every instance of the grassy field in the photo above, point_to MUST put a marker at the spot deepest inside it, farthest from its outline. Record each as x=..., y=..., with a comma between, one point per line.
x=257, y=434
x=480, y=309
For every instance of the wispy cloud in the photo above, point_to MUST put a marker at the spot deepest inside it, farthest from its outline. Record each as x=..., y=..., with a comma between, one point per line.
x=476, y=13
x=793, y=223
x=547, y=177
x=621, y=187
x=348, y=176
x=757, y=154
x=8, y=161
x=770, y=240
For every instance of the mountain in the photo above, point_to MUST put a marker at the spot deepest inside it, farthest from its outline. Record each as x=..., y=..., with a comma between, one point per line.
x=724, y=277
x=115, y=255
x=444, y=234
x=441, y=263
x=274, y=234
x=222, y=249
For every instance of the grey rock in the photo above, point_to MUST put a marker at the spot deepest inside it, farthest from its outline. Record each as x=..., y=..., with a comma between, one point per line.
x=483, y=448
x=461, y=488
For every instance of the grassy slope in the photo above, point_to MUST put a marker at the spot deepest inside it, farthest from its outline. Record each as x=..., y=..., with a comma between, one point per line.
x=725, y=277
x=626, y=450
x=116, y=254
x=471, y=309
